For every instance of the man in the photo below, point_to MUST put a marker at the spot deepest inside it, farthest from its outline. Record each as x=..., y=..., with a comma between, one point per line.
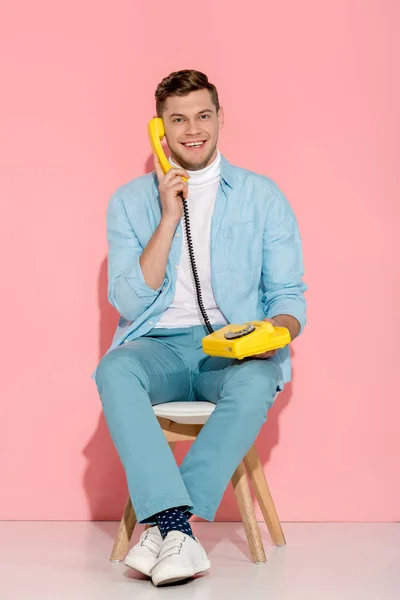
x=248, y=255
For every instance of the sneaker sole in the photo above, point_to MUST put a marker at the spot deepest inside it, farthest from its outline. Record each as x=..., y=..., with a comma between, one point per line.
x=177, y=574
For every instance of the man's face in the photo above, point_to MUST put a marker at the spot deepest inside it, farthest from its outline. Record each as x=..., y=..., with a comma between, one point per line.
x=191, y=126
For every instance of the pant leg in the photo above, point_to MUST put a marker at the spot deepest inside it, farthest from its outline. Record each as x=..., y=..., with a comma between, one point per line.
x=243, y=392
x=130, y=379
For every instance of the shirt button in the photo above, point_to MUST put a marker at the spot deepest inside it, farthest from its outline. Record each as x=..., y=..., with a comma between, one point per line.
x=176, y=266
x=126, y=341
x=150, y=322
x=177, y=234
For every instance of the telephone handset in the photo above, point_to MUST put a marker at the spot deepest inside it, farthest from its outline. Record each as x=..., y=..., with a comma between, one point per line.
x=156, y=133
x=231, y=341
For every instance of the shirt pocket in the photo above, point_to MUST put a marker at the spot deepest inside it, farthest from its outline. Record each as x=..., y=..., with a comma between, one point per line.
x=240, y=246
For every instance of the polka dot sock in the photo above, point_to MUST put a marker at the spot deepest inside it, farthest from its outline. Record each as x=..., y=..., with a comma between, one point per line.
x=173, y=519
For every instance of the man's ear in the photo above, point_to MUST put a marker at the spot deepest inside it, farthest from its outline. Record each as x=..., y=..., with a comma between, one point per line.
x=220, y=118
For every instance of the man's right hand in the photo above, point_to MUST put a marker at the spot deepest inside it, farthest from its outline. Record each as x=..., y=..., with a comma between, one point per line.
x=171, y=185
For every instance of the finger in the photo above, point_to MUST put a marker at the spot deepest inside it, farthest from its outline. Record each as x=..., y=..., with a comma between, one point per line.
x=265, y=354
x=270, y=321
x=178, y=187
x=174, y=182
x=175, y=172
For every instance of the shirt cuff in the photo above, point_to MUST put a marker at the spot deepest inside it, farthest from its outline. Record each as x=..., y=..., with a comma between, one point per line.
x=135, y=278
x=294, y=308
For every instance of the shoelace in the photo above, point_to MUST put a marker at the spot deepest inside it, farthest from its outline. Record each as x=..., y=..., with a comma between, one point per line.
x=171, y=547
x=148, y=541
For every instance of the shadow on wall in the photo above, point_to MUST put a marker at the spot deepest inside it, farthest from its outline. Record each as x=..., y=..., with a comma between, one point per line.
x=104, y=480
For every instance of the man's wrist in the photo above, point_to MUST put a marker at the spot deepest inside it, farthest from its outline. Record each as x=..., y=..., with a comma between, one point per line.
x=169, y=223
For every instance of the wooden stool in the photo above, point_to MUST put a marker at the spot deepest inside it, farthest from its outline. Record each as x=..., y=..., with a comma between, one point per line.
x=182, y=421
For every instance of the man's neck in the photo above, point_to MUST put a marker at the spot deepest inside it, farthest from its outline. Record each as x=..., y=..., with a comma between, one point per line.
x=204, y=176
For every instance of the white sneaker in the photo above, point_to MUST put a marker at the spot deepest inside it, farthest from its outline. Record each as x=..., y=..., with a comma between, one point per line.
x=180, y=557
x=143, y=556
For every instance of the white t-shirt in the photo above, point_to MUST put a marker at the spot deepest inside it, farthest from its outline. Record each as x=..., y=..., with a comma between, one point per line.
x=183, y=310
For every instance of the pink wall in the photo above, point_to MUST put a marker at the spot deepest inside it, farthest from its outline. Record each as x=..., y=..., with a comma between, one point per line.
x=311, y=99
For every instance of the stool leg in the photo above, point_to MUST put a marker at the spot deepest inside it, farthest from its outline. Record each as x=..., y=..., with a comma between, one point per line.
x=263, y=495
x=124, y=533
x=245, y=504
x=172, y=446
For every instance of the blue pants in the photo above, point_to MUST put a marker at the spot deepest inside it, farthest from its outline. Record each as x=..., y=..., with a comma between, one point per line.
x=168, y=365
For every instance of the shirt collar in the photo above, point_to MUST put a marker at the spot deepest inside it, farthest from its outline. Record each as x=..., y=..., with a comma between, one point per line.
x=227, y=172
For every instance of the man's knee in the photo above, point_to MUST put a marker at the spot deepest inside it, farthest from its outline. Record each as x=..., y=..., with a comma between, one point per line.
x=117, y=364
x=253, y=384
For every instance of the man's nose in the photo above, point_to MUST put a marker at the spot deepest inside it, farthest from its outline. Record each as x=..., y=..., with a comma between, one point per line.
x=192, y=127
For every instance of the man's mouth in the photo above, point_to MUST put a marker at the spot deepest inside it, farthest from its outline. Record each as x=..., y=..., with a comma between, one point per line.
x=194, y=145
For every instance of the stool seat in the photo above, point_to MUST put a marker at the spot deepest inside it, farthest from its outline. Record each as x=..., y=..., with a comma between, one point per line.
x=195, y=413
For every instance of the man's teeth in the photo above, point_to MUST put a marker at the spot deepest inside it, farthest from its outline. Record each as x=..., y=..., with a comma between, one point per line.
x=194, y=144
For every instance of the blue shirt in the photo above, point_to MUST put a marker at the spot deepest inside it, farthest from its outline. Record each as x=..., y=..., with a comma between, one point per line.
x=255, y=246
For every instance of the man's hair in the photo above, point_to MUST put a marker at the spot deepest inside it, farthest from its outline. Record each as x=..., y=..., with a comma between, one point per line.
x=181, y=83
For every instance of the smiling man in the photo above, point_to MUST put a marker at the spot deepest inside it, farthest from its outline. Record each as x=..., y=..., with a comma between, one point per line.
x=249, y=261
x=192, y=132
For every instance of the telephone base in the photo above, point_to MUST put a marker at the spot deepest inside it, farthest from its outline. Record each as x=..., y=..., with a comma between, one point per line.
x=241, y=341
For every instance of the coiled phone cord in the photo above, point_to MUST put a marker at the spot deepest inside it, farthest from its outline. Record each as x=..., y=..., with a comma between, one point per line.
x=193, y=265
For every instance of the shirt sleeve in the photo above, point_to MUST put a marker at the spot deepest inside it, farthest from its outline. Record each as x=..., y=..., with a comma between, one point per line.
x=127, y=288
x=282, y=262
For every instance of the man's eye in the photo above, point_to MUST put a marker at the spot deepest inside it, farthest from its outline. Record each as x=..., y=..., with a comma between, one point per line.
x=203, y=117
x=178, y=120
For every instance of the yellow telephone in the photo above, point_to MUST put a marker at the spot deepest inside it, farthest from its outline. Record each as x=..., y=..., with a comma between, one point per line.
x=240, y=341
x=155, y=130
x=231, y=341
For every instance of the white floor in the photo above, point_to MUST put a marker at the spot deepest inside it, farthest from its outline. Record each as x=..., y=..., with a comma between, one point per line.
x=49, y=560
